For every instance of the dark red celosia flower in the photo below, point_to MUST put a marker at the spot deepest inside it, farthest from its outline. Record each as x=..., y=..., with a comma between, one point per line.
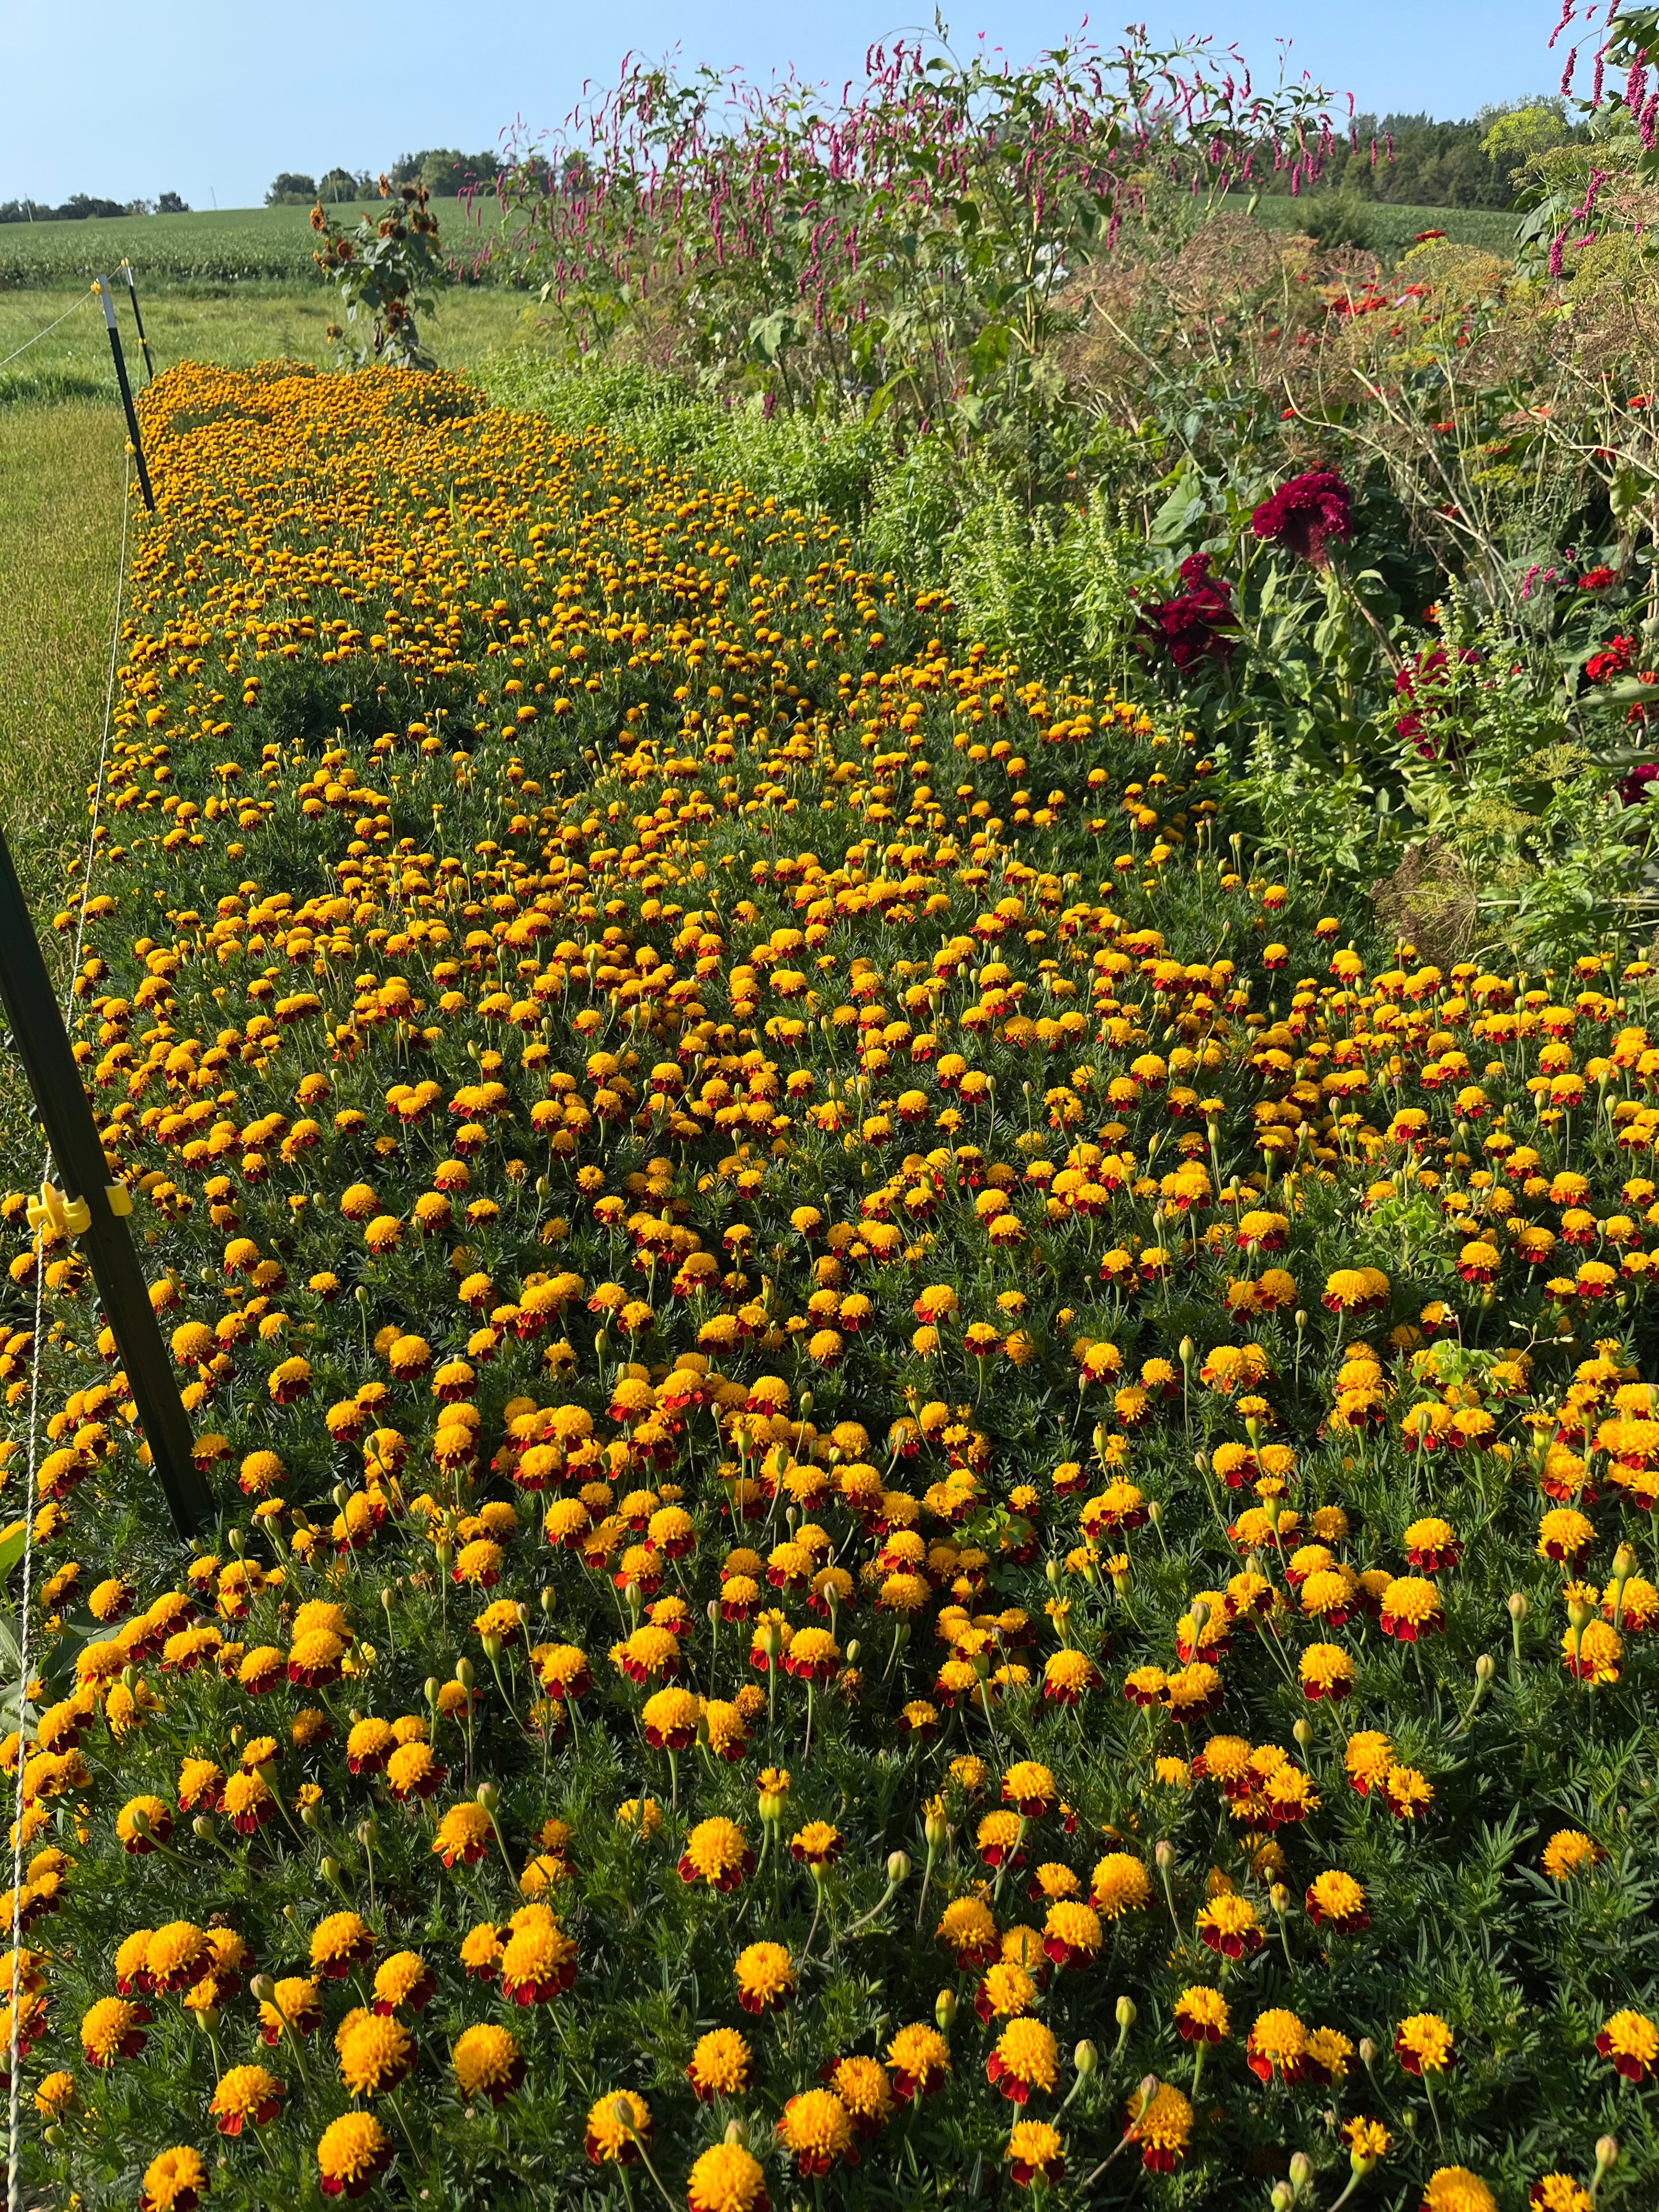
x=1304, y=513
x=1635, y=787
x=1193, y=626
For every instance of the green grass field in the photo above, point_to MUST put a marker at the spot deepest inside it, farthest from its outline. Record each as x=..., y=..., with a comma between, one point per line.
x=231, y=246
x=1391, y=229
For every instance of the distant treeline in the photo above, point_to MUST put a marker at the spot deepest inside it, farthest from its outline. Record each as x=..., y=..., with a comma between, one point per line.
x=1415, y=160
x=446, y=172
x=80, y=205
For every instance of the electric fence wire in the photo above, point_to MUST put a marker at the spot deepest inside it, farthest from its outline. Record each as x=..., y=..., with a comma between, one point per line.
x=48, y=330
x=14, y=2203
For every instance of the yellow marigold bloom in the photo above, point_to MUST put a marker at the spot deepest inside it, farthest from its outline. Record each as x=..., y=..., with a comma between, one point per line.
x=404, y=1978
x=1006, y=1988
x=862, y=2086
x=1456, y=2189
x=765, y=1977
x=1423, y=2044
x=487, y=2062
x=54, y=2094
x=1335, y=1899
x=817, y=2128
x=918, y=2060
x=1277, y=2045
x=1569, y=1852
x=643, y=1814
x=174, y=2181
x=1201, y=2014
x=1119, y=1885
x=245, y=2093
x=720, y=2065
x=1631, y=2040
x=1369, y=2142
x=353, y=2151
x=112, y=2028
x=464, y=1835
x=1026, y=2058
x=1028, y=1787
x=1559, y=2192
x=968, y=1926
x=337, y=1942
x=725, y=2178
x=375, y=2052
x=1367, y=1757
x=716, y=1852
x=1035, y=2152
x=613, y=2124
x=1161, y=2125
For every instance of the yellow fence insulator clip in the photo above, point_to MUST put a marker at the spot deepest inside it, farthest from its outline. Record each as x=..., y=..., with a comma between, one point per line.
x=71, y=1217
x=120, y=1199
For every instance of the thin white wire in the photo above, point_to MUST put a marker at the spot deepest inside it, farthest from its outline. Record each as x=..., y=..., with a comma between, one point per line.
x=45, y=333
x=13, y=2199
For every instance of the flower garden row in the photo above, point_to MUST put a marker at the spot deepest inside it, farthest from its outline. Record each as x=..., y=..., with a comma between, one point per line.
x=920, y=1496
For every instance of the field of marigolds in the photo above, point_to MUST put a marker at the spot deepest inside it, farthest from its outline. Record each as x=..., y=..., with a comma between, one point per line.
x=926, y=1495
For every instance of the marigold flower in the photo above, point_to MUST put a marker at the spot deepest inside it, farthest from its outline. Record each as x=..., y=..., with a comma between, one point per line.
x=1335, y=1899
x=1278, y=2043
x=1026, y=2058
x=1569, y=1852
x=112, y=2028
x=538, y=1959
x=1456, y=2189
x=464, y=1835
x=1035, y=2153
x=1423, y=2044
x=294, y=2005
x=1202, y=2015
x=487, y=2062
x=670, y=1719
x=1411, y=1608
x=243, y=2093
x=1120, y=1884
x=717, y=1853
x=765, y=1977
x=174, y=2181
x=918, y=2061
x=1631, y=2040
x=1228, y=1924
x=337, y=1942
x=1162, y=2126
x=816, y=2127
x=720, y=2065
x=617, y=2124
x=727, y=2179
x=354, y=2151
x=175, y=1955
x=968, y=1927
x=863, y=2088
x=375, y=2052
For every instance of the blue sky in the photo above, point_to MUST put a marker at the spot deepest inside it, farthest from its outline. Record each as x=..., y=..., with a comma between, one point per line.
x=210, y=99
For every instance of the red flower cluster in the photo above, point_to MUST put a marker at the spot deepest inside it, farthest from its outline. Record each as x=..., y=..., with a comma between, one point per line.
x=1304, y=513
x=1194, y=625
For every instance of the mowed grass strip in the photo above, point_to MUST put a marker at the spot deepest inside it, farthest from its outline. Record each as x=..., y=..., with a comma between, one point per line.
x=61, y=476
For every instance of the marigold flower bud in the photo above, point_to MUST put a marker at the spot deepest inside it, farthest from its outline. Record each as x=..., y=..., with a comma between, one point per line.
x=488, y=1795
x=463, y=1674
x=1163, y=1857
x=1085, y=2058
x=737, y=2132
x=898, y=1868
x=1607, y=2153
x=1128, y=2013
x=1484, y=1668
x=1518, y=1606
x=1301, y=2171
x=945, y=2010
